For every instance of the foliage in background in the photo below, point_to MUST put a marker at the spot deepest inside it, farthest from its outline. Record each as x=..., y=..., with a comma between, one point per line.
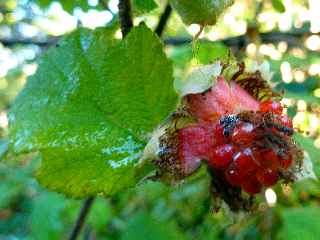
x=153, y=209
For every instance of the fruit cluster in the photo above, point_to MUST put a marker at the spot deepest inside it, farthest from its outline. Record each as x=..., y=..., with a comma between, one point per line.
x=250, y=148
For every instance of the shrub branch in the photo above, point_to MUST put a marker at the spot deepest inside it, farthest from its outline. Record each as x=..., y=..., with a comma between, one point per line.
x=81, y=218
x=163, y=20
x=125, y=16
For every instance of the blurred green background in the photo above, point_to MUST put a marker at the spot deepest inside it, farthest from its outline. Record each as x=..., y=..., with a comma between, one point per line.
x=285, y=33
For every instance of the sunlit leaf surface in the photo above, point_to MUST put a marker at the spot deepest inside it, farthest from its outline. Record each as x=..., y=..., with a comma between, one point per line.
x=89, y=108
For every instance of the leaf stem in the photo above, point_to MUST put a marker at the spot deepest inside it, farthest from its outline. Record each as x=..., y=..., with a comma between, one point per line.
x=163, y=20
x=125, y=16
x=81, y=218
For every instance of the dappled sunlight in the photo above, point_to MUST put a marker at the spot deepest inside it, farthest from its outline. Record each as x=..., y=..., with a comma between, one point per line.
x=271, y=197
x=278, y=38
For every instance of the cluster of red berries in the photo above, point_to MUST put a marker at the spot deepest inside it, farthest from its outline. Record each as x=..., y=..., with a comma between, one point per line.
x=246, y=164
x=245, y=151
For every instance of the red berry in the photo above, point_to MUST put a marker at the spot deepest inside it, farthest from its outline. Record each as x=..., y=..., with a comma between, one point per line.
x=268, y=177
x=233, y=176
x=251, y=185
x=219, y=137
x=270, y=106
x=245, y=162
x=285, y=121
x=269, y=159
x=256, y=155
x=285, y=162
x=222, y=156
x=243, y=133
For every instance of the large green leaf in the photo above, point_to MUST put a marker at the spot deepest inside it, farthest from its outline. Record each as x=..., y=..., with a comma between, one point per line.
x=89, y=107
x=204, y=12
x=301, y=223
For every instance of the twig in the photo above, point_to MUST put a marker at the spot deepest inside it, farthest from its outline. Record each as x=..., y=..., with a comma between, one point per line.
x=163, y=20
x=9, y=42
x=125, y=16
x=81, y=218
x=293, y=38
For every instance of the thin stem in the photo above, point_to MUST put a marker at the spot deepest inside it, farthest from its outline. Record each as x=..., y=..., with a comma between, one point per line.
x=163, y=20
x=125, y=16
x=81, y=218
x=293, y=38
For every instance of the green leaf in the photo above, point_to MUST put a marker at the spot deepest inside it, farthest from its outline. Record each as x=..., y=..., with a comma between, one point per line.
x=304, y=95
x=13, y=183
x=301, y=223
x=278, y=6
x=100, y=214
x=199, y=80
x=152, y=229
x=67, y=5
x=292, y=111
x=308, y=145
x=299, y=91
x=89, y=107
x=206, y=53
x=45, y=222
x=210, y=51
x=4, y=147
x=204, y=12
x=180, y=56
x=144, y=6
